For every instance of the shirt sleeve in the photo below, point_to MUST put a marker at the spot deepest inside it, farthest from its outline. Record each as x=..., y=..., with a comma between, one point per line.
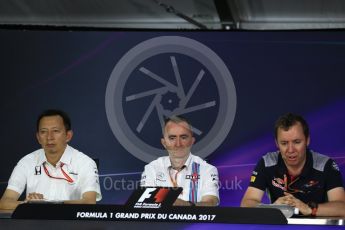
x=148, y=176
x=210, y=184
x=257, y=179
x=90, y=180
x=333, y=175
x=18, y=178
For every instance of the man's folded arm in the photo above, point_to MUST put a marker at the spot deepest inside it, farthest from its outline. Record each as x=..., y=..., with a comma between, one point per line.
x=335, y=205
x=252, y=197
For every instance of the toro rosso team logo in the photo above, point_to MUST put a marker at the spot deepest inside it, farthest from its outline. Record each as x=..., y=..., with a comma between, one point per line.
x=279, y=183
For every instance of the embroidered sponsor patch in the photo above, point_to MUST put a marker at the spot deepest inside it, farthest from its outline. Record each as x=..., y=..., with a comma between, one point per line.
x=194, y=176
x=279, y=183
x=310, y=184
x=160, y=176
x=252, y=178
x=214, y=177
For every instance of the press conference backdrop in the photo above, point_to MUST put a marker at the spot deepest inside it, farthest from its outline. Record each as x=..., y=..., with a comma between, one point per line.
x=118, y=86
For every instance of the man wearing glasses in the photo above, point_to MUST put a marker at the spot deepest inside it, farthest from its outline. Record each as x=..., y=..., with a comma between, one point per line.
x=295, y=175
x=57, y=172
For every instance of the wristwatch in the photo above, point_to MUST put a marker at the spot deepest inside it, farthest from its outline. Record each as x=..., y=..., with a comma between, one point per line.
x=313, y=206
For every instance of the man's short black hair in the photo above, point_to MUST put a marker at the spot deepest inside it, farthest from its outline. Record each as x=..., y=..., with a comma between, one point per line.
x=289, y=119
x=55, y=112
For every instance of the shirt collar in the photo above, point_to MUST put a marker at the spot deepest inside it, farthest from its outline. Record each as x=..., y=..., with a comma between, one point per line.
x=186, y=164
x=307, y=166
x=41, y=157
x=65, y=158
x=188, y=161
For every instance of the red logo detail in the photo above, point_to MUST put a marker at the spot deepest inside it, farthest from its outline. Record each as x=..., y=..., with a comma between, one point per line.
x=279, y=180
x=279, y=183
x=161, y=194
x=195, y=177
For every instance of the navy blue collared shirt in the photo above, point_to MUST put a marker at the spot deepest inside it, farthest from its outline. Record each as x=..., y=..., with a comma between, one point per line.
x=319, y=175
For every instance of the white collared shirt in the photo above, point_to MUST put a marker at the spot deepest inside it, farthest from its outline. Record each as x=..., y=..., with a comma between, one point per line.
x=197, y=173
x=29, y=173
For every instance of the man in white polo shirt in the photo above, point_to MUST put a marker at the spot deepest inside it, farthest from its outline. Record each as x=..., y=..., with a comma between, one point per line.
x=57, y=171
x=198, y=179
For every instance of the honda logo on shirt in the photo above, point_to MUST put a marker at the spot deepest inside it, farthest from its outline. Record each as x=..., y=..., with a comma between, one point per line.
x=38, y=170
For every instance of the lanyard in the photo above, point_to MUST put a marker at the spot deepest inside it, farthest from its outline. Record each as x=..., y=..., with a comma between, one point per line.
x=288, y=184
x=174, y=180
x=66, y=177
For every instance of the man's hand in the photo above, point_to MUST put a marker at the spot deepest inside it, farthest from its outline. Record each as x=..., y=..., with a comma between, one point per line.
x=34, y=196
x=180, y=202
x=289, y=199
x=208, y=200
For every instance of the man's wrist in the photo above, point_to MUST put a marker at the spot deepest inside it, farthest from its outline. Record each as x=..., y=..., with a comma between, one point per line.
x=313, y=206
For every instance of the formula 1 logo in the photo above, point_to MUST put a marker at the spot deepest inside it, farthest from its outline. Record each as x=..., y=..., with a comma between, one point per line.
x=165, y=76
x=159, y=197
x=152, y=198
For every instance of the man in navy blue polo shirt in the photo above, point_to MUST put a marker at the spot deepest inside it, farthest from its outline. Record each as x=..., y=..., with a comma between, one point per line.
x=295, y=175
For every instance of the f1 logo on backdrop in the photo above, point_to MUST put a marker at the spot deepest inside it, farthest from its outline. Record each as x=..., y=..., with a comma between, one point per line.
x=165, y=76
